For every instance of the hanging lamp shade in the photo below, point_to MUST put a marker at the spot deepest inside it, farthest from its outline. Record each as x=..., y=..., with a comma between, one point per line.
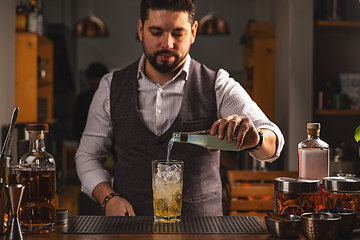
x=91, y=27
x=213, y=25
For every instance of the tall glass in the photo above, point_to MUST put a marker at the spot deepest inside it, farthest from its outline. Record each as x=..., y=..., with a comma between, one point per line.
x=167, y=183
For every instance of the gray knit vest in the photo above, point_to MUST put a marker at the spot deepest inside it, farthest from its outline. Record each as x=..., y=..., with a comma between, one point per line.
x=136, y=146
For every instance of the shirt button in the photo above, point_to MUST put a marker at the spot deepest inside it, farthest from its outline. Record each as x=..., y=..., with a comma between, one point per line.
x=159, y=111
x=161, y=90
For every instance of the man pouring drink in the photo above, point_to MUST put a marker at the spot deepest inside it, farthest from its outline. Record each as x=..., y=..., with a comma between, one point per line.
x=136, y=110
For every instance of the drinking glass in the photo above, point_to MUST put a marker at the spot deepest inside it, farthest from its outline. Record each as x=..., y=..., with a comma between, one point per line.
x=167, y=183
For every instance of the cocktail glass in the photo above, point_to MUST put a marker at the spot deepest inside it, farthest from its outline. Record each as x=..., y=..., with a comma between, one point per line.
x=167, y=183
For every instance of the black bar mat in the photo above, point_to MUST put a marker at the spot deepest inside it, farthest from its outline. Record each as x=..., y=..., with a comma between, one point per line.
x=146, y=224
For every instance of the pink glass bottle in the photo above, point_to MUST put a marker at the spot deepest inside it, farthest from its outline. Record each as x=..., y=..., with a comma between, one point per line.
x=313, y=157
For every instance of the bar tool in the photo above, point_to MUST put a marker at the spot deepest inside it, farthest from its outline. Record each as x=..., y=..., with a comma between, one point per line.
x=14, y=192
x=6, y=149
x=5, y=168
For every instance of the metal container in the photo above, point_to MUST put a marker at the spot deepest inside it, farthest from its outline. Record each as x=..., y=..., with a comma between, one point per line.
x=342, y=192
x=289, y=228
x=296, y=195
x=320, y=226
x=348, y=219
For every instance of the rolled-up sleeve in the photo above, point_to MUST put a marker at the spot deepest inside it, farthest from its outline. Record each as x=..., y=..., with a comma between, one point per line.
x=97, y=139
x=233, y=99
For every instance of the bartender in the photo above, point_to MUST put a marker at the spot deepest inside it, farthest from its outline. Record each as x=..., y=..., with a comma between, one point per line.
x=136, y=110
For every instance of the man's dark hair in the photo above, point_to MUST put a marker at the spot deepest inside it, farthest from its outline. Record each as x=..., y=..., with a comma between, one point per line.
x=188, y=6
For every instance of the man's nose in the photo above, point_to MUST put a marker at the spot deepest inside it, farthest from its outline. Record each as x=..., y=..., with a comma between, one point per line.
x=168, y=41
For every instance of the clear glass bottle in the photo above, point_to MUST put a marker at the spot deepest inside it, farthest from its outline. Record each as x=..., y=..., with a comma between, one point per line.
x=204, y=139
x=33, y=17
x=37, y=171
x=313, y=157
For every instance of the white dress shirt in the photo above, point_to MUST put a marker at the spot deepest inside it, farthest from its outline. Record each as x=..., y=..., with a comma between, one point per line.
x=158, y=107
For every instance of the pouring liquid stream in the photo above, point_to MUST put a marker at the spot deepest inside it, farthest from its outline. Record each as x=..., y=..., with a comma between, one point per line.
x=170, y=144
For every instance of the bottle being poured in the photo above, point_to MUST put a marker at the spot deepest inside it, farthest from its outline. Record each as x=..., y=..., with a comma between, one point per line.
x=205, y=139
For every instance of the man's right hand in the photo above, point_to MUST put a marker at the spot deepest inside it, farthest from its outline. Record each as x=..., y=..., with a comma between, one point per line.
x=116, y=206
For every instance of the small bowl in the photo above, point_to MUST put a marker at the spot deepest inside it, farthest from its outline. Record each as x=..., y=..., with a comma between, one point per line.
x=284, y=229
x=320, y=226
x=348, y=219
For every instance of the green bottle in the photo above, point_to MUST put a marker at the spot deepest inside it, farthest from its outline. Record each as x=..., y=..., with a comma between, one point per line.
x=204, y=139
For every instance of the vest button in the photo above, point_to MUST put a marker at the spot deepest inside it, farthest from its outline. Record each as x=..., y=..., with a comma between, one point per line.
x=160, y=141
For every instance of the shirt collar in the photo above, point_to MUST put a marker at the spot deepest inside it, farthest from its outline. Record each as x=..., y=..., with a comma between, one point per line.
x=184, y=68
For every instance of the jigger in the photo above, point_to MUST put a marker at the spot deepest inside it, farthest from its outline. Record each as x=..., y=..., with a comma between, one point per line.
x=14, y=193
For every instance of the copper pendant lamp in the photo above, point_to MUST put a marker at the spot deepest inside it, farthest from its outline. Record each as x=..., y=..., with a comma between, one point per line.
x=90, y=26
x=212, y=24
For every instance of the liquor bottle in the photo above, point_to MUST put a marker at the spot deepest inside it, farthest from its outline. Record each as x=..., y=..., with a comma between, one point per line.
x=41, y=19
x=205, y=139
x=33, y=17
x=21, y=17
x=36, y=171
x=313, y=156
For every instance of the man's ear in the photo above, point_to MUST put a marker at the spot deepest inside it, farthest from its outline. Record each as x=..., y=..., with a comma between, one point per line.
x=194, y=31
x=140, y=29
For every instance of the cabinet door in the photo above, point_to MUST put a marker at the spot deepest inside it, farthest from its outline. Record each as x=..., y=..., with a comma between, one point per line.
x=45, y=80
x=259, y=65
x=264, y=74
x=34, y=78
x=26, y=77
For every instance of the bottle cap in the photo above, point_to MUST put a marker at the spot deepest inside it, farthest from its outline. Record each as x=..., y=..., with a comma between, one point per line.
x=313, y=126
x=37, y=127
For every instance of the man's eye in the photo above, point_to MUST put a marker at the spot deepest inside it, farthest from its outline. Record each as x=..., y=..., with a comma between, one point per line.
x=177, y=34
x=156, y=33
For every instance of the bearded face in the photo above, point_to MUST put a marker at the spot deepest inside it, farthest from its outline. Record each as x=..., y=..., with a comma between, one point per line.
x=164, y=65
x=166, y=38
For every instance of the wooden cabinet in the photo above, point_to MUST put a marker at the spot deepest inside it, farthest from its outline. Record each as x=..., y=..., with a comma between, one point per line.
x=259, y=65
x=34, y=78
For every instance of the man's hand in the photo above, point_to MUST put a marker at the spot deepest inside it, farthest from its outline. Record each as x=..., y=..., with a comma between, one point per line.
x=118, y=206
x=247, y=136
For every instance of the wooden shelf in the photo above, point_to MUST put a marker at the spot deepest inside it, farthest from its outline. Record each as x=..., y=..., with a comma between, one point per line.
x=337, y=112
x=324, y=23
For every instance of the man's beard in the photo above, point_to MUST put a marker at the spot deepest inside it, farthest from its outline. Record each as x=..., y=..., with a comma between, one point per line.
x=164, y=66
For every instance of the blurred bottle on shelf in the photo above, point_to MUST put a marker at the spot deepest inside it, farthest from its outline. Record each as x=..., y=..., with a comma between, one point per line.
x=21, y=17
x=33, y=17
x=335, y=10
x=41, y=18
